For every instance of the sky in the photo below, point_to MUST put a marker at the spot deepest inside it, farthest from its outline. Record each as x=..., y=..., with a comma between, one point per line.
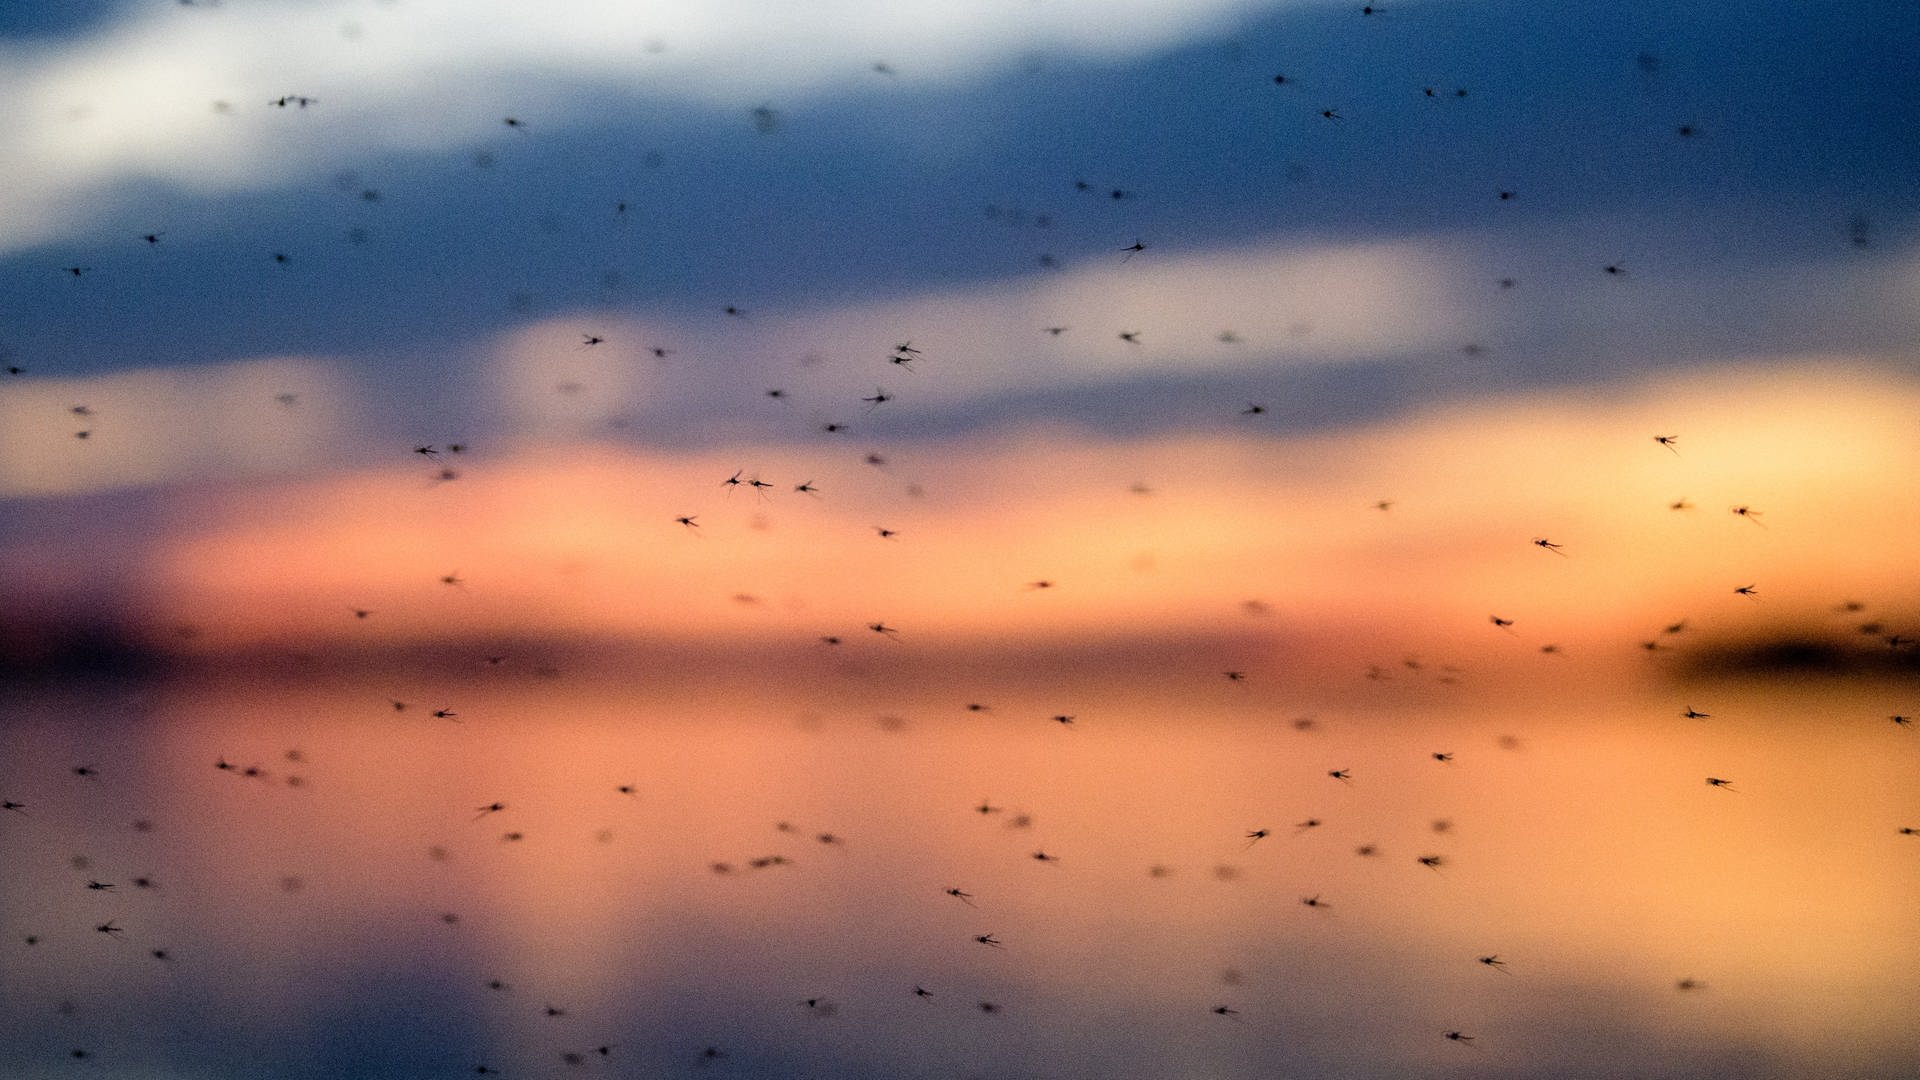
x=709, y=404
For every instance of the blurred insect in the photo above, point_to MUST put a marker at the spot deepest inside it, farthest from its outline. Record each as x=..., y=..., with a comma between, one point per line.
x=1548, y=545
x=1495, y=963
x=1668, y=441
x=1717, y=782
x=1747, y=512
x=964, y=897
x=987, y=939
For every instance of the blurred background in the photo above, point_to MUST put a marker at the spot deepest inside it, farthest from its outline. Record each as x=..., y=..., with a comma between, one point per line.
x=547, y=540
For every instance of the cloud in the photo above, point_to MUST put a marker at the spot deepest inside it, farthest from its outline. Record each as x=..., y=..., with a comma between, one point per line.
x=1256, y=309
x=182, y=96
x=153, y=426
